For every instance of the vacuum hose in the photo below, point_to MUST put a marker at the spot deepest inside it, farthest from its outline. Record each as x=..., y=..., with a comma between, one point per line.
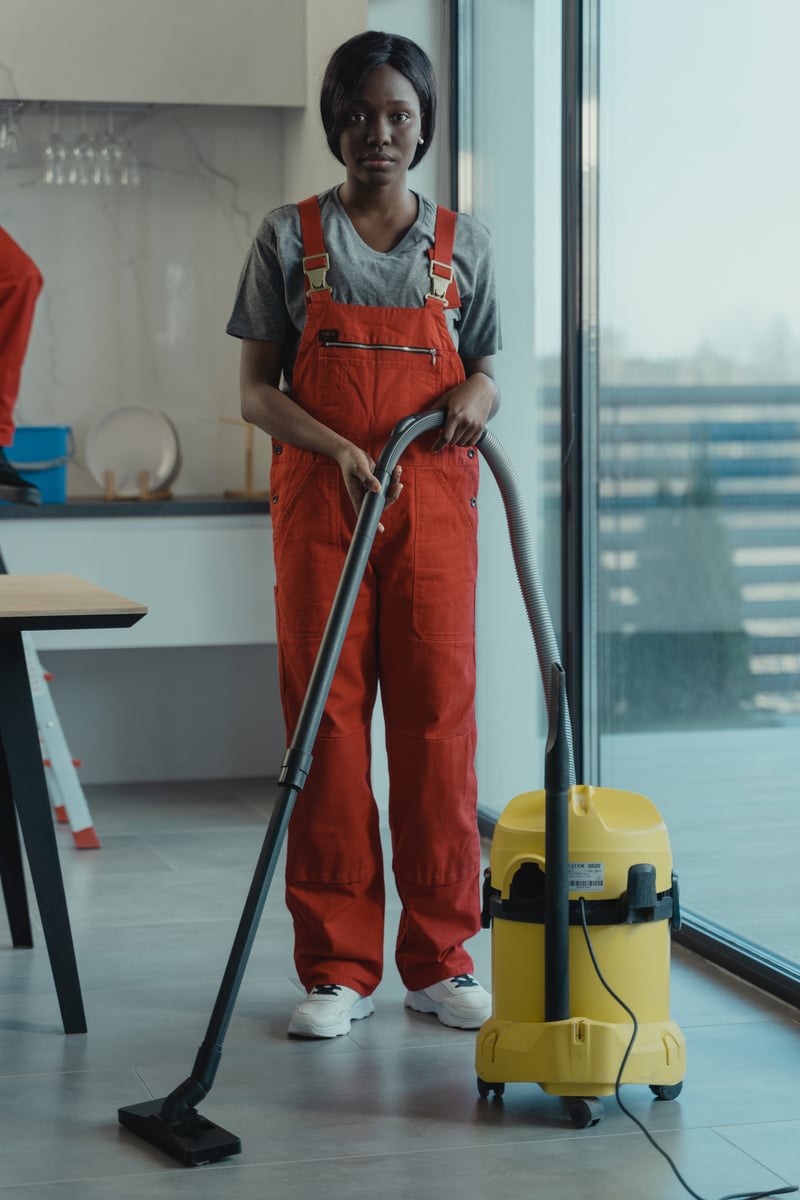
x=520, y=537
x=530, y=582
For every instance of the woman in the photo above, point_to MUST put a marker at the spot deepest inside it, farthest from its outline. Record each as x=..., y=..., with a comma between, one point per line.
x=372, y=304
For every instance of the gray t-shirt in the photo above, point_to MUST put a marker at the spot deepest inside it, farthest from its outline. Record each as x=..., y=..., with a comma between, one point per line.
x=270, y=301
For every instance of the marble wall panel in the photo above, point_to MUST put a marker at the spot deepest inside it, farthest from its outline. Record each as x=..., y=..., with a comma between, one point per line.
x=139, y=280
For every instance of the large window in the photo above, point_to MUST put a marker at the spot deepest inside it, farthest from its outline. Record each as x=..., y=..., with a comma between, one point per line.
x=699, y=457
x=692, y=461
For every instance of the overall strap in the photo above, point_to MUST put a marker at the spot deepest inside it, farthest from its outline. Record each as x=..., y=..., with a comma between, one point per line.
x=444, y=289
x=316, y=262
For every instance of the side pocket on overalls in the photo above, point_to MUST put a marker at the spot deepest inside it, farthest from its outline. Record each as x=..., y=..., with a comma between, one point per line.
x=306, y=531
x=445, y=550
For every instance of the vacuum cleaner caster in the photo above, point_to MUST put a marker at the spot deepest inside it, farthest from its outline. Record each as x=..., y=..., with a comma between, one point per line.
x=485, y=1089
x=585, y=1111
x=666, y=1091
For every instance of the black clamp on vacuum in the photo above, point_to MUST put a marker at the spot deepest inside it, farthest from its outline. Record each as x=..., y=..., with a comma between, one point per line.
x=638, y=904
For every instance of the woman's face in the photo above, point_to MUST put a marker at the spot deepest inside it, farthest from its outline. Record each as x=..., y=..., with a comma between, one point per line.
x=381, y=130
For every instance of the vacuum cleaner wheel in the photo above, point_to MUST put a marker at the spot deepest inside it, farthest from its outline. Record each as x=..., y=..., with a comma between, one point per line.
x=585, y=1111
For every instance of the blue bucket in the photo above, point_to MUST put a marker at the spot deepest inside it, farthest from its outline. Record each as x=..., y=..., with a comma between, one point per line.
x=40, y=453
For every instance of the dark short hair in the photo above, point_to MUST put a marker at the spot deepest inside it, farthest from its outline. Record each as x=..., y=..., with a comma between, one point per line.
x=357, y=58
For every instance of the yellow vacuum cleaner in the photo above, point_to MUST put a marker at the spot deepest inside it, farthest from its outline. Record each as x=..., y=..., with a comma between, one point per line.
x=580, y=886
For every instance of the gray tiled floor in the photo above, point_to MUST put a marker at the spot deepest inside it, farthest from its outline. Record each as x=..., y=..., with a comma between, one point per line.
x=391, y=1111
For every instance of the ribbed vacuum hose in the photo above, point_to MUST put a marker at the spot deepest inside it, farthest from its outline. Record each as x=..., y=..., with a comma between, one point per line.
x=530, y=583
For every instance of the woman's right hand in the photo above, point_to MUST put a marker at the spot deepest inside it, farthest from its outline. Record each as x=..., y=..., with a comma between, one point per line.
x=357, y=469
x=270, y=409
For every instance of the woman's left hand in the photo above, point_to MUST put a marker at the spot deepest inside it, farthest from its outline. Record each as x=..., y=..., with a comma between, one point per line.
x=469, y=406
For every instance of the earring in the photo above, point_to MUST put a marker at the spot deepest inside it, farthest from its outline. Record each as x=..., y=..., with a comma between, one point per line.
x=422, y=141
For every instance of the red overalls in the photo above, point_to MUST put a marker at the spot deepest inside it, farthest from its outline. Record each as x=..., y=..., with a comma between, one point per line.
x=20, y=284
x=359, y=369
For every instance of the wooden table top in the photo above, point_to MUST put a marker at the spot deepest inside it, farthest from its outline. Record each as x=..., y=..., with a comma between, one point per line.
x=62, y=602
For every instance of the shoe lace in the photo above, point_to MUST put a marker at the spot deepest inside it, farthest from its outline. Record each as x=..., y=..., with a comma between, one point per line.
x=327, y=989
x=464, y=981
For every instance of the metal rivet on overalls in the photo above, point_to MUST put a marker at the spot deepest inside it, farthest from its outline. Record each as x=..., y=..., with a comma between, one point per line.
x=474, y=501
x=277, y=447
x=470, y=454
x=274, y=499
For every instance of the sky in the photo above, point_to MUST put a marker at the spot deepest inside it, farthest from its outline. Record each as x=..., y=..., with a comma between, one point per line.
x=700, y=175
x=699, y=178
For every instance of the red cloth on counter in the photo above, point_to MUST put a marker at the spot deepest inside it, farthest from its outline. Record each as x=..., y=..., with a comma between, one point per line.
x=20, y=285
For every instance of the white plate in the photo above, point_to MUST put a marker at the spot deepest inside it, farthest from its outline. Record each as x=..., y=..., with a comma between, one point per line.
x=130, y=440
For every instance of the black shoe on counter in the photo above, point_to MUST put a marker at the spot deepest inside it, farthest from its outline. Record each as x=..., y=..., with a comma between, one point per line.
x=13, y=487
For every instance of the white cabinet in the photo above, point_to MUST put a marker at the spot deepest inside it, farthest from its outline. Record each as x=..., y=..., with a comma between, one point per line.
x=244, y=52
x=207, y=581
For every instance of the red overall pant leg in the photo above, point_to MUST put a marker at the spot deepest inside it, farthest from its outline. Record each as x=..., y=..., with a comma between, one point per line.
x=334, y=863
x=412, y=628
x=20, y=285
x=428, y=693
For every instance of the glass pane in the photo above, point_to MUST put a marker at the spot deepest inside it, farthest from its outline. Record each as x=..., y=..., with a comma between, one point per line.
x=699, y=504
x=510, y=178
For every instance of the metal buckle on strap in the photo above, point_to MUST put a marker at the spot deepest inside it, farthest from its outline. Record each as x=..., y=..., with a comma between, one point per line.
x=441, y=277
x=315, y=269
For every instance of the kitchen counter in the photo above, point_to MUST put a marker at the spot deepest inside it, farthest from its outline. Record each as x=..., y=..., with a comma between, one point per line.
x=207, y=578
x=96, y=506
x=191, y=691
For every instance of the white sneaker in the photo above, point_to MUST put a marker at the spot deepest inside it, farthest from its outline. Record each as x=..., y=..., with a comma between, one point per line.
x=460, y=1002
x=328, y=1010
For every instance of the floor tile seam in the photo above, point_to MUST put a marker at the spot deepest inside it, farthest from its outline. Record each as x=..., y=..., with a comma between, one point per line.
x=57, y=1074
x=719, y=1132
x=79, y=923
x=417, y=1152
x=766, y=1123
x=261, y=1164
x=137, y=1074
x=110, y=1181
x=385, y=1156
x=138, y=877
x=150, y=833
x=756, y=1022
x=689, y=1124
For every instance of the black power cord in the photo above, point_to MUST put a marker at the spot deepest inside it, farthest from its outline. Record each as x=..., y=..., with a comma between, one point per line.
x=784, y=1191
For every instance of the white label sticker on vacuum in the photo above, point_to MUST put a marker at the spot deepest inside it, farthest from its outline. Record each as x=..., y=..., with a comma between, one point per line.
x=586, y=877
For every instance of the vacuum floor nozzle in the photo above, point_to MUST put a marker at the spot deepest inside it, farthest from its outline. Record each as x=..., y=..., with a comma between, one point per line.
x=192, y=1141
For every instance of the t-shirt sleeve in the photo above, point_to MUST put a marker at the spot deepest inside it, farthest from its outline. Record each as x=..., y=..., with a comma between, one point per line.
x=260, y=310
x=479, y=325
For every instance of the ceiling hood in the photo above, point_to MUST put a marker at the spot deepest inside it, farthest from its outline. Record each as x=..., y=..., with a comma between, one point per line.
x=237, y=52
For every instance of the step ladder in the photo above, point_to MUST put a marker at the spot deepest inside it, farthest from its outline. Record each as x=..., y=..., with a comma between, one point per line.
x=66, y=794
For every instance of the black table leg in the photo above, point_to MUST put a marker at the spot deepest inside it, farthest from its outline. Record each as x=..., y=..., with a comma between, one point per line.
x=12, y=874
x=25, y=771
x=11, y=869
